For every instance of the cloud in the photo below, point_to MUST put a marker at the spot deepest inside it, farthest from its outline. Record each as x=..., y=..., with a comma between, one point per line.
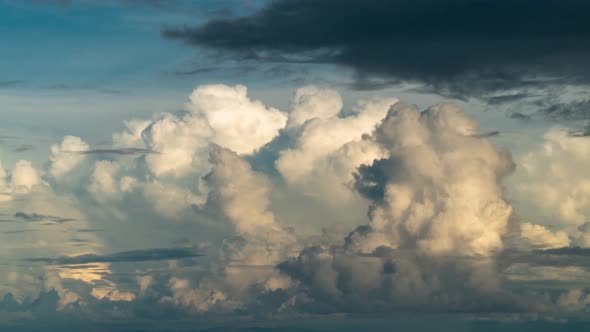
x=438, y=235
x=131, y=136
x=585, y=132
x=541, y=237
x=64, y=157
x=112, y=294
x=218, y=114
x=171, y=200
x=24, y=175
x=437, y=221
x=430, y=187
x=121, y=257
x=244, y=198
x=569, y=251
x=52, y=282
x=311, y=102
x=10, y=83
x=35, y=217
x=89, y=230
x=328, y=147
x=552, y=182
x=119, y=151
x=458, y=46
x=23, y=148
x=247, y=258
x=182, y=141
x=570, y=110
x=574, y=300
x=103, y=184
x=239, y=123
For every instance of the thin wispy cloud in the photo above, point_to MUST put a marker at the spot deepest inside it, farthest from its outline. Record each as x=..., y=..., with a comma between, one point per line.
x=37, y=217
x=118, y=151
x=121, y=257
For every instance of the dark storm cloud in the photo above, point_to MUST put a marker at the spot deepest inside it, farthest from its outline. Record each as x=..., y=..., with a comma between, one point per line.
x=124, y=256
x=467, y=46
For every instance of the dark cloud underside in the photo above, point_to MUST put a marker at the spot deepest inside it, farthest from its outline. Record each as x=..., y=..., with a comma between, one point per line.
x=465, y=46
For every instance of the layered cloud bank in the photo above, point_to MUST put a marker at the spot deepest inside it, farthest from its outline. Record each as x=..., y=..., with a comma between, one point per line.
x=439, y=233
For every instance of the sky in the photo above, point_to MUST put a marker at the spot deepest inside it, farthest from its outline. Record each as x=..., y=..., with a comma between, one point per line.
x=294, y=165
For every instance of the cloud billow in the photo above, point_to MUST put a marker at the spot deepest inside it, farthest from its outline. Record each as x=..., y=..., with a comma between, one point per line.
x=437, y=221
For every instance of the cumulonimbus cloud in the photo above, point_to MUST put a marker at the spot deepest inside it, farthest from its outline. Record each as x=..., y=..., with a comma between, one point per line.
x=438, y=217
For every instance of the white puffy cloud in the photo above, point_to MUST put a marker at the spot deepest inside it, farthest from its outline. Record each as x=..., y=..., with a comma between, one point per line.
x=198, y=299
x=440, y=191
x=437, y=216
x=259, y=241
x=310, y=102
x=127, y=184
x=218, y=114
x=328, y=149
x=437, y=204
x=170, y=200
x=277, y=282
x=554, y=180
x=239, y=123
x=541, y=237
x=144, y=283
x=22, y=181
x=24, y=175
x=181, y=143
x=131, y=136
x=244, y=197
x=103, y=182
x=64, y=156
x=112, y=294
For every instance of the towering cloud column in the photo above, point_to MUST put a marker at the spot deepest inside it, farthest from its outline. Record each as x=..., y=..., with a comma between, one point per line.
x=439, y=191
x=437, y=217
